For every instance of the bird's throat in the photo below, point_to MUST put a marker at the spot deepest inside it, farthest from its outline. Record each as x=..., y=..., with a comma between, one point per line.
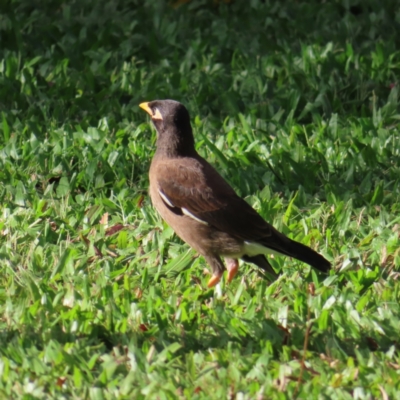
x=174, y=144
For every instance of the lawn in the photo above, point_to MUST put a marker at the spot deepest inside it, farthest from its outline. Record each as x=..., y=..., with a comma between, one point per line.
x=296, y=103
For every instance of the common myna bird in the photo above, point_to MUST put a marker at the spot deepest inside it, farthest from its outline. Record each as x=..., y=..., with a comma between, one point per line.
x=203, y=209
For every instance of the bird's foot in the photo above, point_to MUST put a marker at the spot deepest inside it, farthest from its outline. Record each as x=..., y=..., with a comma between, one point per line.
x=232, y=265
x=214, y=280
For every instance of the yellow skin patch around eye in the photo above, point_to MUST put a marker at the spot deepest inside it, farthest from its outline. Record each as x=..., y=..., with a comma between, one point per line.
x=156, y=115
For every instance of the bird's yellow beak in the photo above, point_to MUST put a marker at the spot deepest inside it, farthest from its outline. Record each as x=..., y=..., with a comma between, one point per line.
x=154, y=114
x=146, y=108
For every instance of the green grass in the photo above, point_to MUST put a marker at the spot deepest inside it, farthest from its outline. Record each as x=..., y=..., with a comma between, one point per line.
x=295, y=103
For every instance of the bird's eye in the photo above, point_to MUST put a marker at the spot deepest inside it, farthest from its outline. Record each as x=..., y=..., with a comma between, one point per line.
x=156, y=114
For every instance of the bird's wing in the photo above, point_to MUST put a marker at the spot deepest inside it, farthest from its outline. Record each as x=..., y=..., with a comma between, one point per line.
x=194, y=188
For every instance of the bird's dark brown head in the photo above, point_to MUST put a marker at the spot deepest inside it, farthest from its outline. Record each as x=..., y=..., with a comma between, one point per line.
x=172, y=122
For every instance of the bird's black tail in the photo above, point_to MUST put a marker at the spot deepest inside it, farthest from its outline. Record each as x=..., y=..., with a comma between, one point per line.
x=307, y=255
x=280, y=243
x=261, y=262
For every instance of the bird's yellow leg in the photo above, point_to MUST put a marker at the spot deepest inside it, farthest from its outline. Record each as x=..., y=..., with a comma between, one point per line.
x=214, y=280
x=217, y=267
x=232, y=266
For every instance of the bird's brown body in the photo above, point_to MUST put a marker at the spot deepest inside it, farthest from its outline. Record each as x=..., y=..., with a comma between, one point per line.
x=204, y=238
x=203, y=209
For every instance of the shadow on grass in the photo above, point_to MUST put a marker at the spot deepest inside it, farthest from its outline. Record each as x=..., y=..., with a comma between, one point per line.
x=192, y=341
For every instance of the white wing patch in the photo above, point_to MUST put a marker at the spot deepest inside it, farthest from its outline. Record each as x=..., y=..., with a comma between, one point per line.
x=189, y=214
x=184, y=210
x=165, y=198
